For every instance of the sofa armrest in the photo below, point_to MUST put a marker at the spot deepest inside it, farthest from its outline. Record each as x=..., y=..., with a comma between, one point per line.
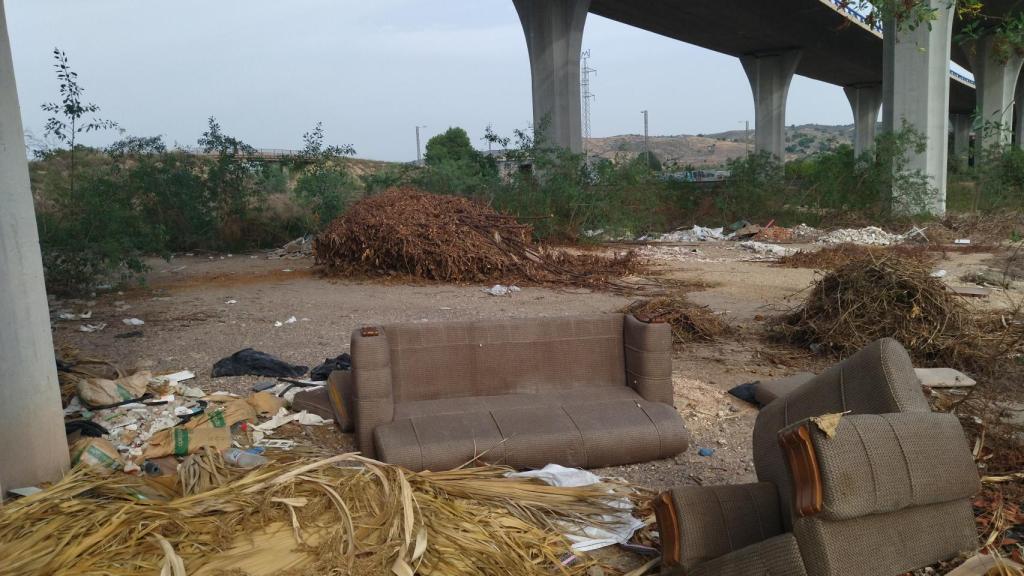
x=700, y=523
x=878, y=463
x=648, y=354
x=372, y=394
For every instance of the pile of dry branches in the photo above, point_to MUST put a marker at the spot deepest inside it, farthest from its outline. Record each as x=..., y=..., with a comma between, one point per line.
x=875, y=296
x=340, y=515
x=832, y=257
x=689, y=321
x=452, y=239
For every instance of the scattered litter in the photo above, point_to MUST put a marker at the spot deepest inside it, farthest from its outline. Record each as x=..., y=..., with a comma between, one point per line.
x=96, y=452
x=938, y=274
x=962, y=241
x=26, y=491
x=323, y=371
x=275, y=444
x=944, y=378
x=298, y=248
x=988, y=565
x=805, y=233
x=869, y=236
x=695, y=234
x=615, y=528
x=92, y=327
x=176, y=377
x=71, y=316
x=183, y=441
x=501, y=290
x=290, y=320
x=283, y=417
x=767, y=250
x=232, y=302
x=243, y=458
x=706, y=452
x=97, y=392
x=970, y=291
x=133, y=322
x=252, y=362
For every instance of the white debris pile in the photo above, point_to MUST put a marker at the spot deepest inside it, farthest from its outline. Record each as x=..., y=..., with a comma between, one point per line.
x=675, y=254
x=502, y=290
x=298, y=248
x=805, y=233
x=765, y=250
x=869, y=236
x=695, y=234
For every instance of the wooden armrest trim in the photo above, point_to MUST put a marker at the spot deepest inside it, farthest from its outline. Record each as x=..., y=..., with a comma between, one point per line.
x=803, y=465
x=668, y=530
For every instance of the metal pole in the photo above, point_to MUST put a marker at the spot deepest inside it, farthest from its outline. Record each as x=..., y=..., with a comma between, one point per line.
x=33, y=447
x=647, y=150
x=419, y=157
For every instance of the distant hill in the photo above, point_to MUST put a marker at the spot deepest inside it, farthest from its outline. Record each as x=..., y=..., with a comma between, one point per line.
x=712, y=150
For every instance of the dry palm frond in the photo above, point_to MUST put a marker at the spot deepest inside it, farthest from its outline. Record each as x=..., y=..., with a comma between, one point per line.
x=203, y=471
x=689, y=321
x=453, y=239
x=346, y=514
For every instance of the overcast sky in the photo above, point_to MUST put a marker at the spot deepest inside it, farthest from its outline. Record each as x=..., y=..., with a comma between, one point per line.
x=370, y=70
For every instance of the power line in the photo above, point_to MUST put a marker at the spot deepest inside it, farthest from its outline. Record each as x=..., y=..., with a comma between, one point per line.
x=586, y=71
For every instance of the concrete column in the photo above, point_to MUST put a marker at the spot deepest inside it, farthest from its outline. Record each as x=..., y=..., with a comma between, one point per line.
x=32, y=444
x=554, y=37
x=995, y=81
x=1018, y=111
x=961, y=136
x=769, y=75
x=915, y=88
x=866, y=100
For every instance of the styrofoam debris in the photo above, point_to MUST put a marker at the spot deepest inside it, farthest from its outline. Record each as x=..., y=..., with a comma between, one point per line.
x=765, y=249
x=133, y=322
x=869, y=236
x=89, y=328
x=501, y=290
x=695, y=234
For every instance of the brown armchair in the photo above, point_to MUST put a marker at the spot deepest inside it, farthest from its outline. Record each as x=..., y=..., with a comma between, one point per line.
x=886, y=493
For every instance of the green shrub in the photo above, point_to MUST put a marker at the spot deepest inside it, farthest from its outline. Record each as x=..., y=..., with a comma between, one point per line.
x=325, y=187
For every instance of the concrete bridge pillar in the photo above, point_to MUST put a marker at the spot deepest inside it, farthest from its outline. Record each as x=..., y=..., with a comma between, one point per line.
x=915, y=87
x=961, y=137
x=554, y=37
x=1018, y=113
x=995, y=76
x=866, y=100
x=34, y=448
x=769, y=75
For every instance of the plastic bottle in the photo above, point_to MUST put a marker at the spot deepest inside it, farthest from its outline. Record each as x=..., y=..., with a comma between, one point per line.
x=243, y=459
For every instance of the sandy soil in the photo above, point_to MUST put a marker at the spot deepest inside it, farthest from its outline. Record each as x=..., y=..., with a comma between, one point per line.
x=189, y=324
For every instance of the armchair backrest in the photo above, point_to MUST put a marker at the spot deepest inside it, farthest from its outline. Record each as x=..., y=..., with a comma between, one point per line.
x=877, y=379
x=492, y=357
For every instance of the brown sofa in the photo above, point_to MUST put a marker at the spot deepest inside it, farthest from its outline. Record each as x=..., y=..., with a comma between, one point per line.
x=578, y=391
x=888, y=493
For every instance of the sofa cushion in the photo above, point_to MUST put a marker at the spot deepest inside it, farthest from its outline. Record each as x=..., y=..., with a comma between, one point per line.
x=488, y=358
x=487, y=403
x=577, y=434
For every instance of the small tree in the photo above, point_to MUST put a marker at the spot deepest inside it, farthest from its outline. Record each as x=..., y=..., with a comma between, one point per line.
x=71, y=113
x=325, y=187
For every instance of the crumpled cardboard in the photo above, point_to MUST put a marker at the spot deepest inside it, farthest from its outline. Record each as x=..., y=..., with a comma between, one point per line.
x=97, y=453
x=182, y=441
x=102, y=392
x=223, y=416
x=265, y=403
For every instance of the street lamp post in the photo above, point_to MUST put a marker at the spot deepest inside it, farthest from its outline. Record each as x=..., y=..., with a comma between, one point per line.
x=647, y=150
x=419, y=156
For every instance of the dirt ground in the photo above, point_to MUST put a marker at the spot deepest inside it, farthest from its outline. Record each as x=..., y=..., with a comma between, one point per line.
x=199, y=309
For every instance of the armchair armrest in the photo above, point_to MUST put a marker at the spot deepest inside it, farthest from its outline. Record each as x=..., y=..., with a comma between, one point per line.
x=372, y=395
x=648, y=354
x=700, y=523
x=878, y=463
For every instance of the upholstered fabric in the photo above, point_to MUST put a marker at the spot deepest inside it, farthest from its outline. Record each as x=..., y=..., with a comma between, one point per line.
x=579, y=433
x=648, y=355
x=372, y=399
x=886, y=544
x=776, y=556
x=339, y=389
x=485, y=358
x=767, y=391
x=553, y=390
x=716, y=520
x=884, y=463
x=877, y=379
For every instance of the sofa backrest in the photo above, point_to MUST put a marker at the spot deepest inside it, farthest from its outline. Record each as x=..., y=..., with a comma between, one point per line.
x=493, y=357
x=877, y=379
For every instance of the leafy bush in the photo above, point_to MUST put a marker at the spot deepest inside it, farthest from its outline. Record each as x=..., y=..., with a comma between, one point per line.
x=325, y=188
